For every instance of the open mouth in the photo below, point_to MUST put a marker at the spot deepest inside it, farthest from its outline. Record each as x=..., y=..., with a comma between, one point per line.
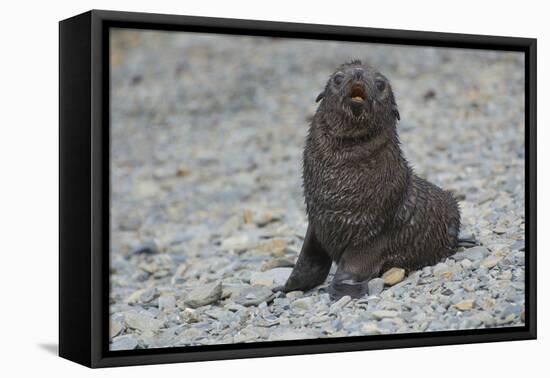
x=357, y=93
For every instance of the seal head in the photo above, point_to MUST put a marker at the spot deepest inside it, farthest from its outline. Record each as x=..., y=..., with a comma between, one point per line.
x=359, y=100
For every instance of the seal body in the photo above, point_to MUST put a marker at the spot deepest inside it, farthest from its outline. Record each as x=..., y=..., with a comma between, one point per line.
x=367, y=210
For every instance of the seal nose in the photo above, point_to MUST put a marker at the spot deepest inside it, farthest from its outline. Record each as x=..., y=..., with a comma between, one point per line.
x=358, y=74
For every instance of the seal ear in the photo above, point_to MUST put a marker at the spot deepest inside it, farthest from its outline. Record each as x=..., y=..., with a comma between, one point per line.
x=394, y=110
x=395, y=113
x=320, y=97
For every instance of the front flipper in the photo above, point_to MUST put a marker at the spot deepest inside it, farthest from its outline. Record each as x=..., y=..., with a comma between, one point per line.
x=312, y=266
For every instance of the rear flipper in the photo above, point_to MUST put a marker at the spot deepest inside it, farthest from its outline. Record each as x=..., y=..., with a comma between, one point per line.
x=344, y=283
x=467, y=242
x=312, y=266
x=355, y=269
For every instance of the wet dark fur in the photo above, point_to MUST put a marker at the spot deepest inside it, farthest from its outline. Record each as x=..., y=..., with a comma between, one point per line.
x=367, y=209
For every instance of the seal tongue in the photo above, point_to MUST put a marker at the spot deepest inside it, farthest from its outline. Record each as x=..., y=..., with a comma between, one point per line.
x=357, y=93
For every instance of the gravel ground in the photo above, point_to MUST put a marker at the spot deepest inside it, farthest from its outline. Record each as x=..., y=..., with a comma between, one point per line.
x=207, y=208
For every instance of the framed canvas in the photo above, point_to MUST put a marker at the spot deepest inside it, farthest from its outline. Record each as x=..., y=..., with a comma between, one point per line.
x=234, y=188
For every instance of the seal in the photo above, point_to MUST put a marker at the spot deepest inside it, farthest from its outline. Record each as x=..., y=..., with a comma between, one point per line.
x=367, y=210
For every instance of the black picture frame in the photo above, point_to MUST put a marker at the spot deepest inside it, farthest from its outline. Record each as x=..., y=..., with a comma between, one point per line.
x=84, y=187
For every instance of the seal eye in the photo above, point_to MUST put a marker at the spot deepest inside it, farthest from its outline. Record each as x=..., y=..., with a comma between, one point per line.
x=338, y=79
x=380, y=85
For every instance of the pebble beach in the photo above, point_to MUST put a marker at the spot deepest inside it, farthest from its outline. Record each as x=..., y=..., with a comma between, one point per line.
x=207, y=210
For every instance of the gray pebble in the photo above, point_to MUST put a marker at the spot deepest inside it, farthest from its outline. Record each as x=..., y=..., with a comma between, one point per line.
x=375, y=286
x=124, y=342
x=149, y=247
x=142, y=321
x=204, y=294
x=167, y=302
x=338, y=305
x=149, y=295
x=474, y=253
x=254, y=295
x=272, y=278
x=305, y=304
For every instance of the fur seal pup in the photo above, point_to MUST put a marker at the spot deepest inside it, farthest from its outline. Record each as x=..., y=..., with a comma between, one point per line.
x=366, y=208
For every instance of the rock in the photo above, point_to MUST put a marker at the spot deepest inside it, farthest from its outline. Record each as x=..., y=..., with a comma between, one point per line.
x=340, y=304
x=190, y=315
x=371, y=328
x=518, y=246
x=134, y=297
x=466, y=304
x=179, y=274
x=488, y=303
x=514, y=309
x=161, y=273
x=442, y=271
x=163, y=172
x=237, y=242
x=124, y=342
x=148, y=295
x=230, y=290
x=234, y=307
x=375, y=286
x=276, y=263
x=436, y=325
x=266, y=218
x=294, y=294
x=499, y=230
x=484, y=318
x=275, y=247
x=505, y=319
x=271, y=278
x=247, y=217
x=146, y=189
x=142, y=321
x=475, y=253
x=183, y=171
x=319, y=319
x=466, y=263
x=204, y=295
x=341, y=333
x=305, y=304
x=284, y=333
x=230, y=226
x=381, y=314
x=427, y=270
x=268, y=321
x=182, y=267
x=162, y=339
x=506, y=275
x=149, y=248
x=129, y=224
x=490, y=261
x=254, y=295
x=116, y=328
x=247, y=334
x=284, y=321
x=393, y=276
x=167, y=302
